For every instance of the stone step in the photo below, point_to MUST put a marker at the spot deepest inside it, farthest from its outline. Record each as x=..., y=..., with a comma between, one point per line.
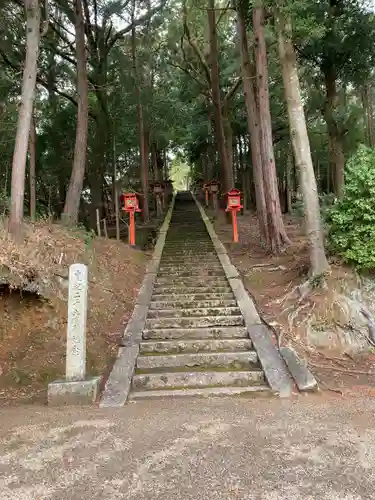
x=219, y=332
x=211, y=360
x=185, y=346
x=179, y=380
x=197, y=280
x=175, y=251
x=194, y=312
x=185, y=232
x=204, y=392
x=197, y=322
x=191, y=305
x=167, y=290
x=190, y=239
x=195, y=272
x=191, y=297
x=188, y=264
x=172, y=268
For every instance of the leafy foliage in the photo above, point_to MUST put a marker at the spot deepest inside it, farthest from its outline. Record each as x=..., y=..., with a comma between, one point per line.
x=352, y=220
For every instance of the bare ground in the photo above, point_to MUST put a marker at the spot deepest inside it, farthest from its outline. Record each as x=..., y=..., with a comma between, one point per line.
x=320, y=447
x=269, y=279
x=33, y=327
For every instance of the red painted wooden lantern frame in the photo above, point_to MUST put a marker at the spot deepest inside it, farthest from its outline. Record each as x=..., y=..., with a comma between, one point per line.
x=131, y=202
x=131, y=205
x=233, y=201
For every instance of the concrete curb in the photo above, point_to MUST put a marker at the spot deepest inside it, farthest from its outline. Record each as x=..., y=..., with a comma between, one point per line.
x=117, y=388
x=303, y=377
x=275, y=369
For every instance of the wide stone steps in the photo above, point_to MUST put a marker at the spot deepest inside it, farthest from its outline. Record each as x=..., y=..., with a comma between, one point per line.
x=195, y=346
x=185, y=379
x=219, y=332
x=187, y=273
x=194, y=312
x=191, y=305
x=192, y=297
x=187, y=289
x=195, y=342
x=202, y=280
x=234, y=360
x=205, y=392
x=196, y=322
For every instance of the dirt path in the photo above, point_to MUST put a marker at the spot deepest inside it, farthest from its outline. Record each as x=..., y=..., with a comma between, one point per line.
x=310, y=448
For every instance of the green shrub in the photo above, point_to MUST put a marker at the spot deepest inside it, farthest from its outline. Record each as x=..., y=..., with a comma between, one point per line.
x=352, y=220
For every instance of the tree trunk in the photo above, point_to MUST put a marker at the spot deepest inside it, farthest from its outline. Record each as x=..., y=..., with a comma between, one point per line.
x=210, y=148
x=73, y=198
x=367, y=108
x=338, y=158
x=228, y=137
x=288, y=178
x=24, y=115
x=276, y=231
x=143, y=146
x=227, y=175
x=301, y=145
x=32, y=164
x=253, y=127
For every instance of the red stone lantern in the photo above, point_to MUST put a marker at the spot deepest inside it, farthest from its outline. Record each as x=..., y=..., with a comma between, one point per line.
x=131, y=205
x=234, y=206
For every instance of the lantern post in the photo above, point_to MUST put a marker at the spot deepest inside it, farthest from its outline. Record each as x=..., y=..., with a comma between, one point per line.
x=214, y=190
x=158, y=190
x=131, y=205
x=206, y=188
x=234, y=206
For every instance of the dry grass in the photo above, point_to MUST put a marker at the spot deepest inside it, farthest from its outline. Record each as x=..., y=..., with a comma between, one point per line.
x=33, y=328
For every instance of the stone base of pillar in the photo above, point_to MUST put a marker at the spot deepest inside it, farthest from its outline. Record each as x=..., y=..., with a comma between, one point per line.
x=68, y=392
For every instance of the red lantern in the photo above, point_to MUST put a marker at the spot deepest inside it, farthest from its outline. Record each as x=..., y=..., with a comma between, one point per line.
x=131, y=205
x=234, y=206
x=233, y=201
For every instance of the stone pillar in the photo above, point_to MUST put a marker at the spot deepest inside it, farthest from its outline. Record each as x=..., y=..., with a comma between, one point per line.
x=75, y=388
x=77, y=314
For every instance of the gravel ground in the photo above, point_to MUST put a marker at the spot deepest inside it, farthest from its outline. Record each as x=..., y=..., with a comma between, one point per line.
x=318, y=448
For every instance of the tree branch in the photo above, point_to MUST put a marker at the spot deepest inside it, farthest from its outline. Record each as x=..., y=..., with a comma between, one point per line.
x=232, y=90
x=134, y=24
x=204, y=91
x=195, y=46
x=223, y=12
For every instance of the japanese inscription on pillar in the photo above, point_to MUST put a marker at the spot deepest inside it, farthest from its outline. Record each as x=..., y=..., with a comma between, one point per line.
x=77, y=313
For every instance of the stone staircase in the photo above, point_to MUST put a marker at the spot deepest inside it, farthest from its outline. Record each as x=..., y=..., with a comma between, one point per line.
x=195, y=342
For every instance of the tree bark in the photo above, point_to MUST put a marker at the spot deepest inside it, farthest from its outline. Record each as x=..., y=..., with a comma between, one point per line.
x=253, y=127
x=301, y=145
x=24, y=115
x=73, y=198
x=228, y=137
x=143, y=143
x=276, y=231
x=210, y=148
x=32, y=164
x=288, y=179
x=367, y=108
x=227, y=174
x=338, y=158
